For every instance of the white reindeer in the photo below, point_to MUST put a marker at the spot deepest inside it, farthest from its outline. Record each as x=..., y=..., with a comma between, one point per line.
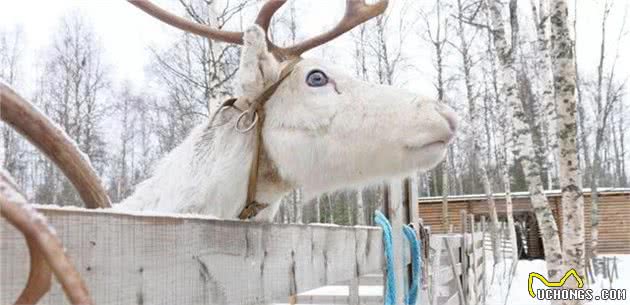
x=323, y=129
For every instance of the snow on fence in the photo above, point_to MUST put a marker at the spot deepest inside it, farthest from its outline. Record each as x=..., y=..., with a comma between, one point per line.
x=131, y=259
x=175, y=259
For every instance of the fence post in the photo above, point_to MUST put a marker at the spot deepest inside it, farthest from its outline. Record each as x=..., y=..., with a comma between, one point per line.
x=353, y=291
x=464, y=253
x=473, y=247
x=453, y=263
x=396, y=213
x=411, y=189
x=483, y=253
x=353, y=286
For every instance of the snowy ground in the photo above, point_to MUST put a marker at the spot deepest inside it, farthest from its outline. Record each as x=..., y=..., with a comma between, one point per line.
x=519, y=294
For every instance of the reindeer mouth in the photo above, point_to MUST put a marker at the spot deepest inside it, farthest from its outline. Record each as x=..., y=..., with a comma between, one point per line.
x=431, y=145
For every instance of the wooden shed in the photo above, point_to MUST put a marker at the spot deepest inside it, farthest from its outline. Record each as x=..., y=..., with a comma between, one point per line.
x=614, y=205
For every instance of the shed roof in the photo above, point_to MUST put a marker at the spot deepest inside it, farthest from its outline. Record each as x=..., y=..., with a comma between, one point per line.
x=549, y=193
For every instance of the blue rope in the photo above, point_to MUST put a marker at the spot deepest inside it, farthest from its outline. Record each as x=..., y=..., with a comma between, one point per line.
x=416, y=261
x=416, y=264
x=390, y=283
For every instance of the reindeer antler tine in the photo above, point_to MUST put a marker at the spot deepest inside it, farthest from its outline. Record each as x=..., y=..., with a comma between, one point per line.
x=357, y=12
x=47, y=252
x=267, y=11
x=39, y=130
x=187, y=25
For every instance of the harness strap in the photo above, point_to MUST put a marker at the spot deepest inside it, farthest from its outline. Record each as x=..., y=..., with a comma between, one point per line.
x=255, y=111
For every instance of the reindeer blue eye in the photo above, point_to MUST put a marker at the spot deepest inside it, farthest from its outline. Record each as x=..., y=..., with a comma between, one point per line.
x=316, y=78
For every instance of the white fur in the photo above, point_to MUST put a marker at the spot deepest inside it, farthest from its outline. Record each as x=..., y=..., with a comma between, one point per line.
x=319, y=139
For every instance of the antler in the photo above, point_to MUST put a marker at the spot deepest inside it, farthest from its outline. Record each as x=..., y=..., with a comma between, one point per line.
x=187, y=25
x=45, y=248
x=357, y=12
x=39, y=130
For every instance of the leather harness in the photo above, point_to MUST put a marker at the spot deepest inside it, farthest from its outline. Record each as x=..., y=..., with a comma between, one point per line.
x=256, y=116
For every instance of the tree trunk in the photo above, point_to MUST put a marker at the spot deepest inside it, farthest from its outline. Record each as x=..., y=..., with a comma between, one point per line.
x=508, y=210
x=445, y=191
x=570, y=178
x=541, y=22
x=623, y=182
x=360, y=212
x=496, y=245
x=297, y=206
x=523, y=147
x=331, y=211
x=318, y=211
x=595, y=195
x=476, y=123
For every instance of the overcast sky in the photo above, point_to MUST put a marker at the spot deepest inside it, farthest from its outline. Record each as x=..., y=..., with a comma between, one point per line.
x=125, y=32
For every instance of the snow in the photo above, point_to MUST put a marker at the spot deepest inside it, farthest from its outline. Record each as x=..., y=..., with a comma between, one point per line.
x=7, y=188
x=342, y=290
x=522, y=194
x=321, y=224
x=519, y=294
x=52, y=207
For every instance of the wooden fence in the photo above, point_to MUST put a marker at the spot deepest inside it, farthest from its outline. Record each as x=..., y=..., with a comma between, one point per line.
x=145, y=259
x=133, y=259
x=458, y=263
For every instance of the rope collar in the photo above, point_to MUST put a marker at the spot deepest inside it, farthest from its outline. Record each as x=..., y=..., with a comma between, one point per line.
x=252, y=118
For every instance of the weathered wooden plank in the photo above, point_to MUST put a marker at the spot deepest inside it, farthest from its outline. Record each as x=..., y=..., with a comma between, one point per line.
x=369, y=295
x=464, y=252
x=473, y=251
x=485, y=260
x=396, y=213
x=445, y=274
x=453, y=300
x=451, y=256
x=132, y=259
x=435, y=255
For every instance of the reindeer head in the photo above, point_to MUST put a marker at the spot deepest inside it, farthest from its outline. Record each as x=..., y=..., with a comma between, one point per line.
x=320, y=129
x=323, y=128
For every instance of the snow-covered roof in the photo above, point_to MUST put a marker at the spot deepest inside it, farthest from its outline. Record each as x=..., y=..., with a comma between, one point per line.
x=548, y=193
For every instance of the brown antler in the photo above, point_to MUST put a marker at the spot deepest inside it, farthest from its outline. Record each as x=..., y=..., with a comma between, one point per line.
x=187, y=25
x=45, y=249
x=39, y=130
x=357, y=12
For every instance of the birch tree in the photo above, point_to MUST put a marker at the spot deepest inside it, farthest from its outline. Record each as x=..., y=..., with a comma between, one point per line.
x=606, y=96
x=523, y=147
x=72, y=93
x=464, y=49
x=13, y=153
x=570, y=177
x=437, y=37
x=505, y=138
x=540, y=14
x=196, y=72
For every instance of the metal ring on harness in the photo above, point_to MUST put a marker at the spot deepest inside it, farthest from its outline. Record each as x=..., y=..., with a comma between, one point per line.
x=249, y=127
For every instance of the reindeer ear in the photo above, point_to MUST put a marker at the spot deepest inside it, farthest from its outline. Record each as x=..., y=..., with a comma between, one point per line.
x=258, y=67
